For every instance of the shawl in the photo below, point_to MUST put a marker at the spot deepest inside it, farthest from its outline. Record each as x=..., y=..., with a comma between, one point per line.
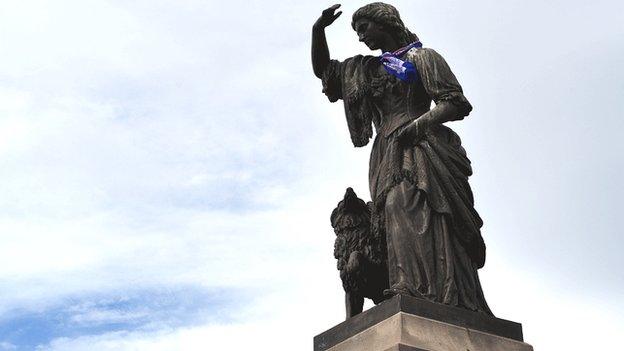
x=350, y=80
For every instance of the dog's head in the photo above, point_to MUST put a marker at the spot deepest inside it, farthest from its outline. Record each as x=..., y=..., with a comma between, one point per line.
x=351, y=212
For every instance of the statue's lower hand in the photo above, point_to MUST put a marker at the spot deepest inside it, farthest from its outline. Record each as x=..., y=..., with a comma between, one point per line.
x=328, y=17
x=411, y=133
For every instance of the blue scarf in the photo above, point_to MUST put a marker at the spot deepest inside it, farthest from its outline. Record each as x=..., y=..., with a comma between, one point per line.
x=403, y=70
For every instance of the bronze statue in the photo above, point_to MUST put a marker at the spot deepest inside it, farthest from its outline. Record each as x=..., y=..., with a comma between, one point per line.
x=419, y=171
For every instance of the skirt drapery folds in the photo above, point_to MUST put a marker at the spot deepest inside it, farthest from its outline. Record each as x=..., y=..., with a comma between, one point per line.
x=432, y=229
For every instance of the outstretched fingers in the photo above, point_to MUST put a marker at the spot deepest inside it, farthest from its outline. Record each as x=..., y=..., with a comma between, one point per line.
x=330, y=10
x=334, y=7
x=328, y=17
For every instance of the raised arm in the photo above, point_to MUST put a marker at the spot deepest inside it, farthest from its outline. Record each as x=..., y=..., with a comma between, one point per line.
x=320, y=51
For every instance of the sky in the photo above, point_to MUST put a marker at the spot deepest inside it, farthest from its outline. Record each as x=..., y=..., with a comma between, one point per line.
x=168, y=169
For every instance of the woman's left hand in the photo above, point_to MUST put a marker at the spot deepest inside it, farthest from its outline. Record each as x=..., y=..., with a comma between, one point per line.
x=411, y=133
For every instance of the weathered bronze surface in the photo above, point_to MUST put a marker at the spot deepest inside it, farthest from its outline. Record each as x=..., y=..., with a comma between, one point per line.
x=360, y=249
x=422, y=205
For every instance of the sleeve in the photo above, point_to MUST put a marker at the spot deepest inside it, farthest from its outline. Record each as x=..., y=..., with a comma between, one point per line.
x=332, y=81
x=349, y=80
x=439, y=81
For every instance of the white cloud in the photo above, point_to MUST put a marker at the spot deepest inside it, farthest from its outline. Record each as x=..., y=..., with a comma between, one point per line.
x=278, y=323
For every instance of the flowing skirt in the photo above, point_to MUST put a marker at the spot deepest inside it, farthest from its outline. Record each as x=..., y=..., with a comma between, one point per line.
x=431, y=227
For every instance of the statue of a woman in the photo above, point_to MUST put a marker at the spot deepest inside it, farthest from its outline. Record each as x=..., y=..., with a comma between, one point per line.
x=419, y=171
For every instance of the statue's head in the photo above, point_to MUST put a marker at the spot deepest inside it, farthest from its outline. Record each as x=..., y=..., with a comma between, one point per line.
x=379, y=24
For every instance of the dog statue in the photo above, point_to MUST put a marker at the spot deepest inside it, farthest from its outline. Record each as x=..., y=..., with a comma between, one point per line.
x=360, y=249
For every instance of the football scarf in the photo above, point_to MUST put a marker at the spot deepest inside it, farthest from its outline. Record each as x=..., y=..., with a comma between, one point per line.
x=393, y=64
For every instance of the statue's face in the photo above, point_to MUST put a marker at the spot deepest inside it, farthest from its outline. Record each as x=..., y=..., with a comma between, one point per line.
x=371, y=33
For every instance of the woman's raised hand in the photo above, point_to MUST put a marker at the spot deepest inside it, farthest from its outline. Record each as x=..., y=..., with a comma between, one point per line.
x=328, y=16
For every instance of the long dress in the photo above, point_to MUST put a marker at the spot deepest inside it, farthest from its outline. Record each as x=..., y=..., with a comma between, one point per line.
x=420, y=192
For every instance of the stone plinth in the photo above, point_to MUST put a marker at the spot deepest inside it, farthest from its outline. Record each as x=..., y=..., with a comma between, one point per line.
x=407, y=324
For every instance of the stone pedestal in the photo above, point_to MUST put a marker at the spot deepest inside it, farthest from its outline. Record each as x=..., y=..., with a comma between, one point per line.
x=404, y=323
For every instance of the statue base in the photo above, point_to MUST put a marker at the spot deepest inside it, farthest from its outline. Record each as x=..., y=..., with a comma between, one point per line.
x=404, y=323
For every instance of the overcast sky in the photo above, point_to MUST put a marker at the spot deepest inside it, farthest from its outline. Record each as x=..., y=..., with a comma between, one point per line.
x=167, y=169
